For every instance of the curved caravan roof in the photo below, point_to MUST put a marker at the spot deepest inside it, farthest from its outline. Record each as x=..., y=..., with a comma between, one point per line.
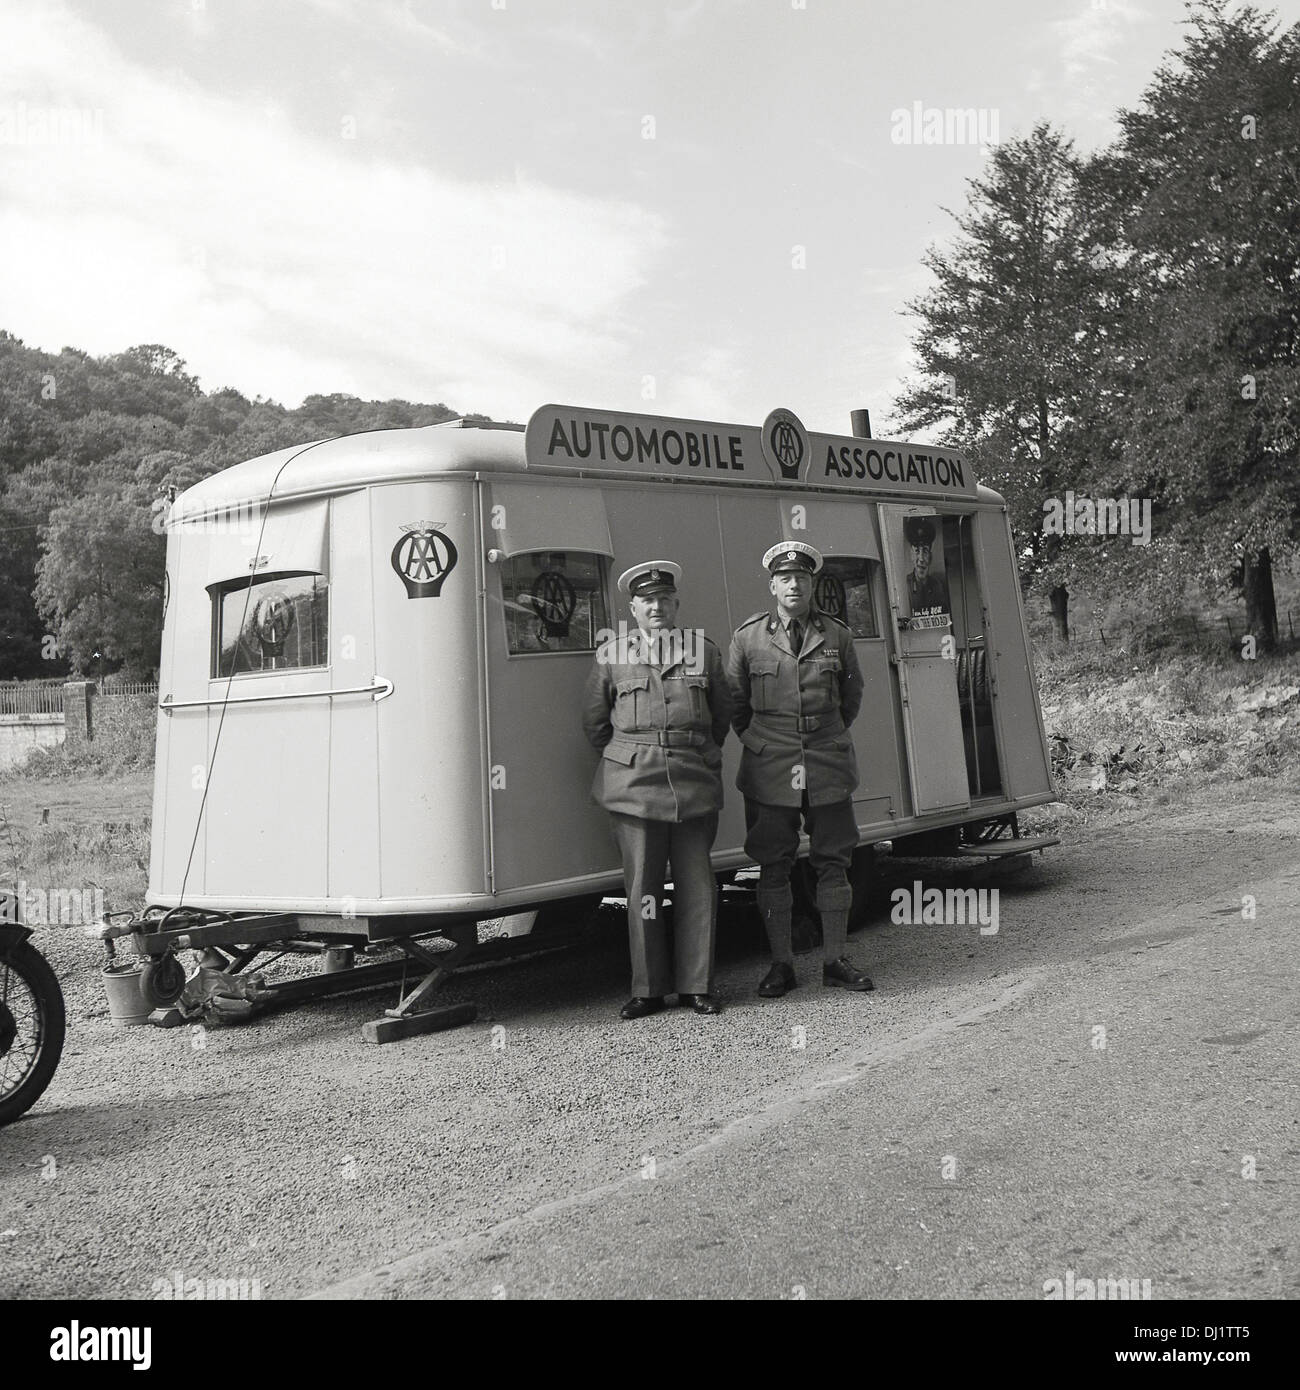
x=353, y=460
x=383, y=456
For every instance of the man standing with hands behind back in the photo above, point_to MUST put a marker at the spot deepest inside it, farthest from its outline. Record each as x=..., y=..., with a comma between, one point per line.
x=797, y=686
x=658, y=706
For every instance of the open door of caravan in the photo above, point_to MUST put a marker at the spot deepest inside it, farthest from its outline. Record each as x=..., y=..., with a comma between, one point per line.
x=924, y=657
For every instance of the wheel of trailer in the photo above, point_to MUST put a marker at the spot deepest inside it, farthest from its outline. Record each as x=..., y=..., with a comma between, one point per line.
x=163, y=980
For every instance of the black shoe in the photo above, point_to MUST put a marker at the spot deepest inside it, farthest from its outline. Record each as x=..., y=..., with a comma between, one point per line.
x=701, y=1003
x=777, y=980
x=638, y=1007
x=845, y=975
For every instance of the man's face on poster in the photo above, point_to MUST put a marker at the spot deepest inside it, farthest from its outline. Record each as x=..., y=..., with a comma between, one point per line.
x=921, y=560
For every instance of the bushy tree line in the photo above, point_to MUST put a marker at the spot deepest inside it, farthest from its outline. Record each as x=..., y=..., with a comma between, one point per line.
x=87, y=447
x=1127, y=324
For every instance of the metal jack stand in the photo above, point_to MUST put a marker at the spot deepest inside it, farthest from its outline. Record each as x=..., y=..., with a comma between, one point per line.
x=408, y=1019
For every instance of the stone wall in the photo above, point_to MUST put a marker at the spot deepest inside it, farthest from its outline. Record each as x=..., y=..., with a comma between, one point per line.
x=21, y=733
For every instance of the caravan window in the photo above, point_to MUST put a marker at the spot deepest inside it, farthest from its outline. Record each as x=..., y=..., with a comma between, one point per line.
x=275, y=622
x=843, y=589
x=554, y=601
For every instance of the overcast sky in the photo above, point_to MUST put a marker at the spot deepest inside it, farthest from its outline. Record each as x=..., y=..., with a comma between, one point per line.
x=700, y=208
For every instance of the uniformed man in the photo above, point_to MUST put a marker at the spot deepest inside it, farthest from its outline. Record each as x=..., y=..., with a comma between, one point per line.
x=925, y=589
x=797, y=687
x=658, y=707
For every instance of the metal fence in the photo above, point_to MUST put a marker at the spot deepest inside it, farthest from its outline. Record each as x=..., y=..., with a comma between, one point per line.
x=31, y=697
x=46, y=697
x=110, y=685
x=1202, y=628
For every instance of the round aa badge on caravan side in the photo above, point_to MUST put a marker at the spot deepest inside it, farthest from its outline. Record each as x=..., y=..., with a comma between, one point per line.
x=784, y=443
x=423, y=558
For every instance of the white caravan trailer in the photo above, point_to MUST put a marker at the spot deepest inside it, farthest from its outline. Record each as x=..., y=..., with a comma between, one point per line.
x=374, y=649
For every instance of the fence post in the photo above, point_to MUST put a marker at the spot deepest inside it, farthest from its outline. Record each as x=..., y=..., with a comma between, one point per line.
x=78, y=704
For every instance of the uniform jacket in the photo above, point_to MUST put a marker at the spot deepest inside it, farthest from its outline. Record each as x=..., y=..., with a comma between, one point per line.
x=660, y=730
x=795, y=709
x=932, y=592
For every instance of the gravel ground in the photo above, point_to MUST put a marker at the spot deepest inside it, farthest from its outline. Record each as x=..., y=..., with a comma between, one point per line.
x=288, y=1153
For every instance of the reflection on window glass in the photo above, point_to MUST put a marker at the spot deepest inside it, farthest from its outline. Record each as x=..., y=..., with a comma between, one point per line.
x=274, y=623
x=554, y=601
x=843, y=589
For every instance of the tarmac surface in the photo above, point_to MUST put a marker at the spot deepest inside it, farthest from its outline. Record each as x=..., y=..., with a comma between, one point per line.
x=1104, y=1089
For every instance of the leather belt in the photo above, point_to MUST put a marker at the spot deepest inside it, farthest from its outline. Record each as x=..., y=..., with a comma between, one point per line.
x=801, y=723
x=664, y=738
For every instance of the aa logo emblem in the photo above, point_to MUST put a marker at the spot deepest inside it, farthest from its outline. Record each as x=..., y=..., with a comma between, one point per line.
x=785, y=444
x=423, y=559
x=829, y=595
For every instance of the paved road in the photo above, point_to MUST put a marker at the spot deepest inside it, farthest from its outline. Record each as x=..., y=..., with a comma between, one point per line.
x=961, y=1132
x=1132, y=1116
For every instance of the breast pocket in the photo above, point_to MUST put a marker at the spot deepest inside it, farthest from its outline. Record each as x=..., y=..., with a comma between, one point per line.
x=697, y=692
x=632, y=703
x=828, y=665
x=763, y=679
x=823, y=691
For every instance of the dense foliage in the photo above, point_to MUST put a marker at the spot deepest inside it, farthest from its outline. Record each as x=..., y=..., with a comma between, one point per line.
x=1128, y=326
x=88, y=446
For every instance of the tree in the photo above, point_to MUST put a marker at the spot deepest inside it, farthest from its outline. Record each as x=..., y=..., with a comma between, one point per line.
x=88, y=445
x=1208, y=167
x=99, y=580
x=1011, y=337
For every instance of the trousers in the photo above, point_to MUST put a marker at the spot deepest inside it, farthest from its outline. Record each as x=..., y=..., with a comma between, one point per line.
x=683, y=965
x=772, y=841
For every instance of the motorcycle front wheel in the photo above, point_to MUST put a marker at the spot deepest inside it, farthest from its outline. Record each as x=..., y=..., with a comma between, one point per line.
x=31, y=1028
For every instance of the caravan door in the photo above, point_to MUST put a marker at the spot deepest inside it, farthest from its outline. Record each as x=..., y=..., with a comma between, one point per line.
x=546, y=604
x=924, y=657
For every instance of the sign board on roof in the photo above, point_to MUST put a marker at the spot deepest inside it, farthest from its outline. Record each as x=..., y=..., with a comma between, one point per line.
x=781, y=451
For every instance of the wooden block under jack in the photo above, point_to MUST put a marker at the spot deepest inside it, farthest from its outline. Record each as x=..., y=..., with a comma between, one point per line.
x=382, y=1030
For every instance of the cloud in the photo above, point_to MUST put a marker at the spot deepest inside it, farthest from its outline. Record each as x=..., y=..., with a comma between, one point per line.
x=399, y=17
x=705, y=384
x=1091, y=42
x=284, y=261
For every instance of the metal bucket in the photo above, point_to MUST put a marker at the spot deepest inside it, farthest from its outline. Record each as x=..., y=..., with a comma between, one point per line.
x=336, y=958
x=127, y=1005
